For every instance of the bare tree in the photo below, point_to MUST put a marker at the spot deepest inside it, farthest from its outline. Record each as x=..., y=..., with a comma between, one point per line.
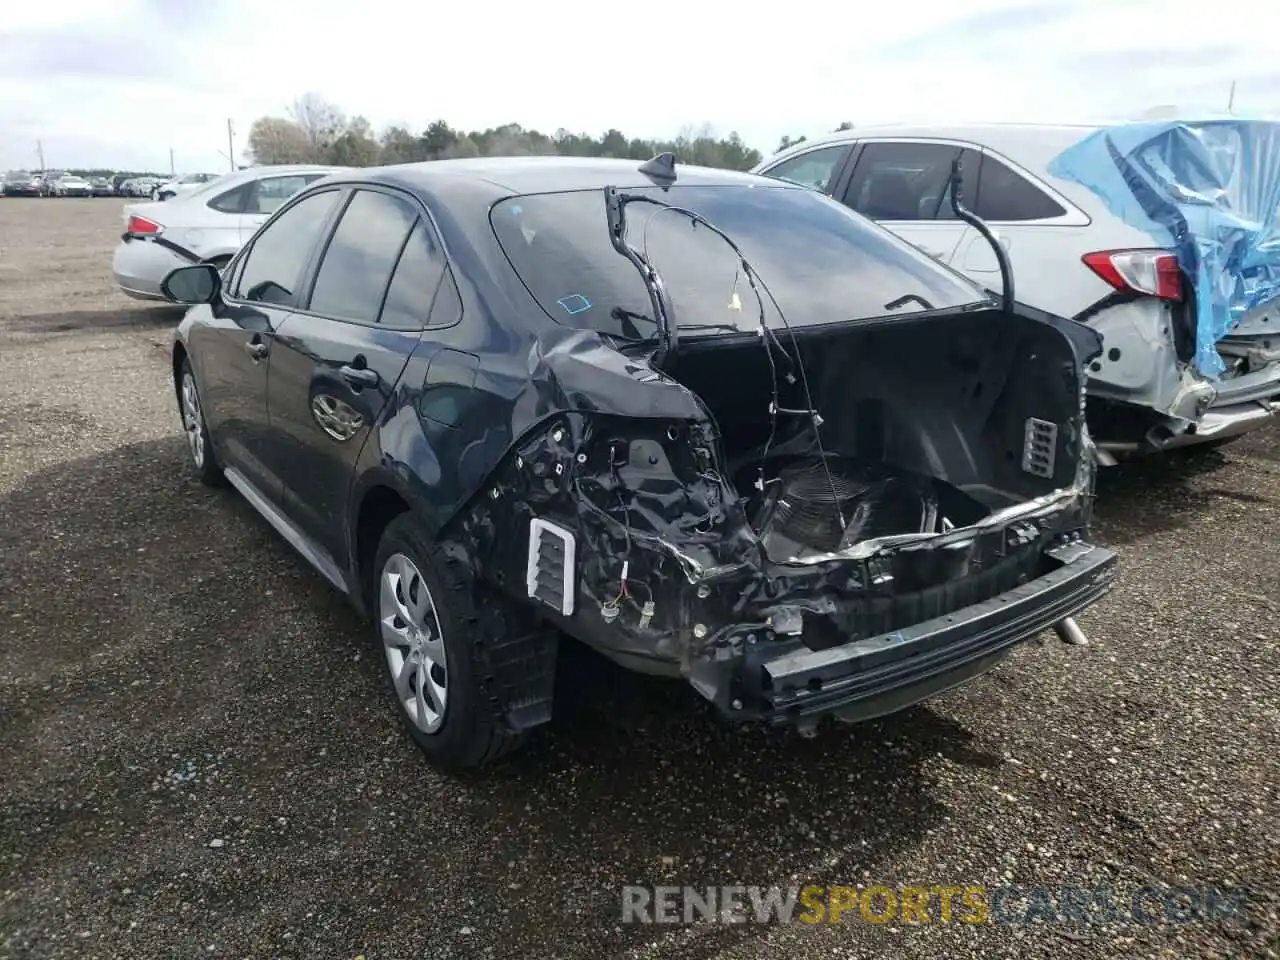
x=320, y=121
x=277, y=140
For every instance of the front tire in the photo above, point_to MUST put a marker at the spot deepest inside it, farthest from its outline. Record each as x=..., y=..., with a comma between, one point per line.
x=197, y=431
x=426, y=624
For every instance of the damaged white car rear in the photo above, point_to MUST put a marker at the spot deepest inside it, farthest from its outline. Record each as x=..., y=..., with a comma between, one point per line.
x=1192, y=334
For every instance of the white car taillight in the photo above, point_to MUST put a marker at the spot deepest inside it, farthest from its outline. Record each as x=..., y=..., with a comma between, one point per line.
x=139, y=224
x=1153, y=273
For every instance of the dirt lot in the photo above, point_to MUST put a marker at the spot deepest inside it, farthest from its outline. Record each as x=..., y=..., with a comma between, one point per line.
x=197, y=756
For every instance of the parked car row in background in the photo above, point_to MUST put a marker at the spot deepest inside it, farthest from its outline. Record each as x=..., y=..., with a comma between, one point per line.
x=56, y=183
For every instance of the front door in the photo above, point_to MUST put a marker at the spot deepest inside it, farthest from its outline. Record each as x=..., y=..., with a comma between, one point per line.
x=259, y=298
x=233, y=350
x=335, y=366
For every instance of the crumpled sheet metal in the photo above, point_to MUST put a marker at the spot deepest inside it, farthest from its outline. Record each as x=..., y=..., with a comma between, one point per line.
x=1208, y=189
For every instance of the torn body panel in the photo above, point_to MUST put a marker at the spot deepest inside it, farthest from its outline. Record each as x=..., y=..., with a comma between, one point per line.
x=1208, y=192
x=1145, y=394
x=941, y=491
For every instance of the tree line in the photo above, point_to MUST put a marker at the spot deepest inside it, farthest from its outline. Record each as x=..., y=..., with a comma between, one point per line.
x=316, y=131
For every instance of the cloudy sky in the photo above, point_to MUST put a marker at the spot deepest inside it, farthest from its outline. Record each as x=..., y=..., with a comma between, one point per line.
x=118, y=84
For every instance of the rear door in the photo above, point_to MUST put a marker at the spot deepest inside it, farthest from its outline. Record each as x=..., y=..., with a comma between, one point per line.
x=335, y=364
x=904, y=186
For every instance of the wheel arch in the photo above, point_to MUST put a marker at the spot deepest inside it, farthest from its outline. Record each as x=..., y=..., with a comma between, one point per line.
x=377, y=504
x=179, y=358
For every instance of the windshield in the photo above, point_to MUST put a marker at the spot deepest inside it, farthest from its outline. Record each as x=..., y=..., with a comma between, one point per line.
x=17, y=175
x=822, y=262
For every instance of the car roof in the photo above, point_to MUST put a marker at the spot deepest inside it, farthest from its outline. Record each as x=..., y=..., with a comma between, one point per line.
x=1030, y=140
x=255, y=173
x=520, y=175
x=1030, y=145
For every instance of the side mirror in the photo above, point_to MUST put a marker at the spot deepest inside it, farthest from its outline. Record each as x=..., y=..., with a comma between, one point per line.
x=198, y=283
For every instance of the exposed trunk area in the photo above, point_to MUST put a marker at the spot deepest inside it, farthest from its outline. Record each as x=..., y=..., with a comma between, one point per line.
x=926, y=425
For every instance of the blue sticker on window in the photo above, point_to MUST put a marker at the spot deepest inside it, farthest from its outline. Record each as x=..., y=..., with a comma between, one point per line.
x=574, y=303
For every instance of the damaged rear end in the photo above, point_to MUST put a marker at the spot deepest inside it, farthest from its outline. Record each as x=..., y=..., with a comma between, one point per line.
x=1192, y=334
x=808, y=469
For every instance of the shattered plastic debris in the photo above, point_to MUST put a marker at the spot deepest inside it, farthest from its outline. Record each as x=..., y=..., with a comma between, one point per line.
x=1209, y=190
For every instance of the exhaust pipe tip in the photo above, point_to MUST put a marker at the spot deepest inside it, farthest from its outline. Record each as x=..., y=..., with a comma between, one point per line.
x=1069, y=632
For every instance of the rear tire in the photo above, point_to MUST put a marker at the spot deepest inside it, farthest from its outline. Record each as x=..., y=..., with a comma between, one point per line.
x=199, y=445
x=426, y=625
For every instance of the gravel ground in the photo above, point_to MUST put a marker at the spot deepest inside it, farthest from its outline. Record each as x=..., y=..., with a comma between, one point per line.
x=198, y=759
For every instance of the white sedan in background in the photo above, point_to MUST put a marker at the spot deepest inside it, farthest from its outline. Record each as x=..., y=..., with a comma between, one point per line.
x=186, y=183
x=206, y=225
x=69, y=185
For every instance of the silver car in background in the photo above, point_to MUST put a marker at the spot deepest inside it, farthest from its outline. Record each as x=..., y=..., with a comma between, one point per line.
x=208, y=224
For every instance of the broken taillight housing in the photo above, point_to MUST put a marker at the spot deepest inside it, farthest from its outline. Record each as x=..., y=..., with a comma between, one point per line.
x=139, y=224
x=1152, y=273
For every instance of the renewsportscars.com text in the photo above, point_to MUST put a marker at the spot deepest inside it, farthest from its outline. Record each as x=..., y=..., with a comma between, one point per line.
x=973, y=904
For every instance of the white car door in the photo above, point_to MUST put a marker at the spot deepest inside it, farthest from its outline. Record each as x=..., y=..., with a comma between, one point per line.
x=904, y=186
x=266, y=196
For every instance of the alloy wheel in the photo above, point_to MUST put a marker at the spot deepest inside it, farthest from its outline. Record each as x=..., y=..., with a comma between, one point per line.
x=192, y=419
x=413, y=643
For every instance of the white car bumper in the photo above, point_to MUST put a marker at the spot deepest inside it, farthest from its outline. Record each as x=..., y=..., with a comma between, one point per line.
x=140, y=265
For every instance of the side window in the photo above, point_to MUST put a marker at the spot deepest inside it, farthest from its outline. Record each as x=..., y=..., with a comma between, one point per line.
x=270, y=194
x=362, y=253
x=274, y=264
x=414, y=284
x=970, y=167
x=1006, y=195
x=233, y=200
x=813, y=169
x=901, y=181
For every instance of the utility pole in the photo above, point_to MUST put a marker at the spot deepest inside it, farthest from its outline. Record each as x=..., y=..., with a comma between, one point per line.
x=1232, y=98
x=171, y=171
x=40, y=154
x=231, y=150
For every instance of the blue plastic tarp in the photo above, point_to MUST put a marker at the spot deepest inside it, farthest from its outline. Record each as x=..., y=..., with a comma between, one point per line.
x=1207, y=189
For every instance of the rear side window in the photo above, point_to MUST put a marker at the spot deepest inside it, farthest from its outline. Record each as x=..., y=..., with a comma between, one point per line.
x=231, y=201
x=1006, y=195
x=269, y=195
x=274, y=264
x=414, y=284
x=813, y=169
x=901, y=181
x=363, y=251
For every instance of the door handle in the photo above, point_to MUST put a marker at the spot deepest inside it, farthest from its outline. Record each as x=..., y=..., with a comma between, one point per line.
x=257, y=349
x=358, y=377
